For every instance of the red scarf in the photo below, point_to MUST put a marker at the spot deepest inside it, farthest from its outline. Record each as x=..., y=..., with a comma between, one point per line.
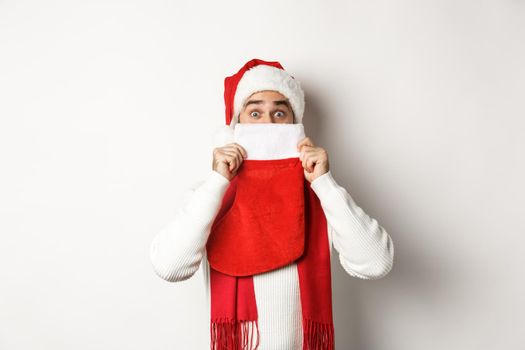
x=269, y=217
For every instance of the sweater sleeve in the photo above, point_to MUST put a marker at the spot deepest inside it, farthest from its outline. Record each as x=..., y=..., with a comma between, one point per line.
x=177, y=249
x=365, y=249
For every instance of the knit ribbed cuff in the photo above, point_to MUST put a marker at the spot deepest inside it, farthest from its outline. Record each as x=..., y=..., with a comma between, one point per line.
x=215, y=184
x=324, y=186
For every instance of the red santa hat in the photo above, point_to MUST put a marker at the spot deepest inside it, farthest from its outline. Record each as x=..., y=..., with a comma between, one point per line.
x=257, y=75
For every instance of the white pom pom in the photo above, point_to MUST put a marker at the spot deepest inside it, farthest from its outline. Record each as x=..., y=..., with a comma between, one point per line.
x=222, y=136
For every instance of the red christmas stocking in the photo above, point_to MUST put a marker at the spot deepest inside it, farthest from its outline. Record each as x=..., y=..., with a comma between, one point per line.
x=264, y=228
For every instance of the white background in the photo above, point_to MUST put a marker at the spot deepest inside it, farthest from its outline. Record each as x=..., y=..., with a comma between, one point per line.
x=107, y=111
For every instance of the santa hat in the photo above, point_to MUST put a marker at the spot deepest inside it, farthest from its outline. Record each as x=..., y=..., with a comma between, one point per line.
x=257, y=75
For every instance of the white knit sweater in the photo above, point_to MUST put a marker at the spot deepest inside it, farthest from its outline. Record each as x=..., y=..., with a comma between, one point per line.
x=365, y=251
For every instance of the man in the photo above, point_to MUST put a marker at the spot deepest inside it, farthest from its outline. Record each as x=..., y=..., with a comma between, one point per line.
x=263, y=93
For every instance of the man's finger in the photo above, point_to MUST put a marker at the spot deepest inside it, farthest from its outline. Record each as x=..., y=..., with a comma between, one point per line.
x=305, y=149
x=310, y=163
x=235, y=153
x=305, y=162
x=305, y=142
x=233, y=147
x=240, y=148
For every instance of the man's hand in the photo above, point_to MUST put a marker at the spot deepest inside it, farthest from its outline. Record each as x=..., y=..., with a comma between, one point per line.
x=227, y=159
x=314, y=159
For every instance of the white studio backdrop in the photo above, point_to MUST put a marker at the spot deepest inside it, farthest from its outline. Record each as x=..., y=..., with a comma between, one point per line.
x=107, y=110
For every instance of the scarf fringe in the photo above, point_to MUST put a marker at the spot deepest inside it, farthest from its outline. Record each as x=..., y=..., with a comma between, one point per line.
x=318, y=336
x=229, y=334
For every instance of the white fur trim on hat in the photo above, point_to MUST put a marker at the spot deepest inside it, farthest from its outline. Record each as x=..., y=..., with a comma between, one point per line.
x=265, y=77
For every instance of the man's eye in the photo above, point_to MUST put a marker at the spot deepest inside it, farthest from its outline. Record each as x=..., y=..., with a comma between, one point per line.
x=254, y=114
x=279, y=115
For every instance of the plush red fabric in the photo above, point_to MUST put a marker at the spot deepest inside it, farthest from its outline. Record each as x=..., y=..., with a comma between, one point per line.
x=264, y=228
x=269, y=217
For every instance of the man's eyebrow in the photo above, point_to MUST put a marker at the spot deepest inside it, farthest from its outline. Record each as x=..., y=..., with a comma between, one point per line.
x=282, y=102
x=253, y=102
x=278, y=102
